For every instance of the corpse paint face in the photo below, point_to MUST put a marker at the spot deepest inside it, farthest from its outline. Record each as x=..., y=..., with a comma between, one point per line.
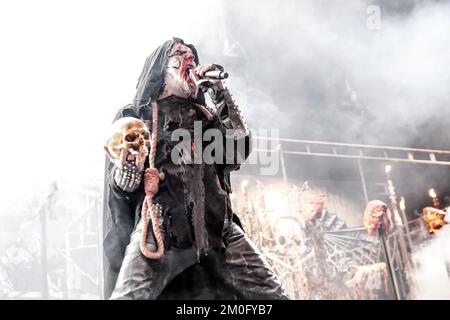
x=177, y=82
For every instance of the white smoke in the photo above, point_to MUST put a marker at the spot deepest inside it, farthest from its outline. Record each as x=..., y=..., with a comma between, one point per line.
x=431, y=279
x=341, y=77
x=67, y=67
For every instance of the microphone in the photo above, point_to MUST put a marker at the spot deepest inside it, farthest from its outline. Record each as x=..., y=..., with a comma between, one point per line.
x=216, y=74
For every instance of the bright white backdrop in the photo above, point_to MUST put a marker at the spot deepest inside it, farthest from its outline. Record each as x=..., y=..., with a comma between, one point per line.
x=65, y=68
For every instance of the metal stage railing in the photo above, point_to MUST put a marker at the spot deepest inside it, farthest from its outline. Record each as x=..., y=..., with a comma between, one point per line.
x=399, y=245
x=76, y=211
x=360, y=151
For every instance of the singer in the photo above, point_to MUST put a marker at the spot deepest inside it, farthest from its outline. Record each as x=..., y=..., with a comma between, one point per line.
x=198, y=226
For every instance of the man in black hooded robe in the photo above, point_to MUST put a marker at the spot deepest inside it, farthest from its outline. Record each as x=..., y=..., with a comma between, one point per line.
x=198, y=225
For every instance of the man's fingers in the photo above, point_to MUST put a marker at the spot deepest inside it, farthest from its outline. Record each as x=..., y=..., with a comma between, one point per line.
x=140, y=159
x=209, y=67
x=108, y=153
x=200, y=70
x=122, y=158
x=196, y=71
x=203, y=69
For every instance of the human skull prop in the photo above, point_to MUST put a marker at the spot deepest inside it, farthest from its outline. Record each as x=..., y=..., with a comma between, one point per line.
x=129, y=134
x=376, y=215
x=289, y=236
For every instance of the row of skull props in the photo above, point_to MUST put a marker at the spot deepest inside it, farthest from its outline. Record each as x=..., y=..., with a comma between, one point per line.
x=128, y=136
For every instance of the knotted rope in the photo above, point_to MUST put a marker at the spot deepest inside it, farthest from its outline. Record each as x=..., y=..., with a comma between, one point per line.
x=151, y=185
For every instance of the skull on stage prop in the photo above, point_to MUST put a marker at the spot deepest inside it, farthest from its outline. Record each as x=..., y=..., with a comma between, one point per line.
x=129, y=134
x=289, y=236
x=377, y=215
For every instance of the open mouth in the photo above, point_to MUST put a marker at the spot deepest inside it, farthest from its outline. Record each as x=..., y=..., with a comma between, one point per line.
x=187, y=73
x=188, y=68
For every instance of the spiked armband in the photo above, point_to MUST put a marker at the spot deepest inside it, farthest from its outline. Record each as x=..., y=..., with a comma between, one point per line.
x=227, y=110
x=129, y=178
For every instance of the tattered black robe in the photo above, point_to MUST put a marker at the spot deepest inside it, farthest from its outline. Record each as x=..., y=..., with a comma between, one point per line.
x=194, y=197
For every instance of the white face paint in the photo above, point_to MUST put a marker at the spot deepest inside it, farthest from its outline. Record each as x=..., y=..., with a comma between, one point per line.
x=177, y=81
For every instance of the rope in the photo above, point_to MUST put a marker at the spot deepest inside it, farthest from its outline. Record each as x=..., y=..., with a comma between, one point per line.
x=151, y=184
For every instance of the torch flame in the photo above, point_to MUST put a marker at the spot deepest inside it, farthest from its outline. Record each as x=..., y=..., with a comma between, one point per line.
x=387, y=168
x=434, y=218
x=432, y=193
x=402, y=203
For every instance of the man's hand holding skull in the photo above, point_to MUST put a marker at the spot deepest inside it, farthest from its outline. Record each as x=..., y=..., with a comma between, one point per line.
x=128, y=148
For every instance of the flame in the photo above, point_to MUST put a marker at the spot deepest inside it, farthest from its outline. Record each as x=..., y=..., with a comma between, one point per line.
x=387, y=168
x=276, y=203
x=273, y=200
x=434, y=218
x=432, y=193
x=402, y=203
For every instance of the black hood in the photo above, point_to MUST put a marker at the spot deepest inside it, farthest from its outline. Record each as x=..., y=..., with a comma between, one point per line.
x=151, y=81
